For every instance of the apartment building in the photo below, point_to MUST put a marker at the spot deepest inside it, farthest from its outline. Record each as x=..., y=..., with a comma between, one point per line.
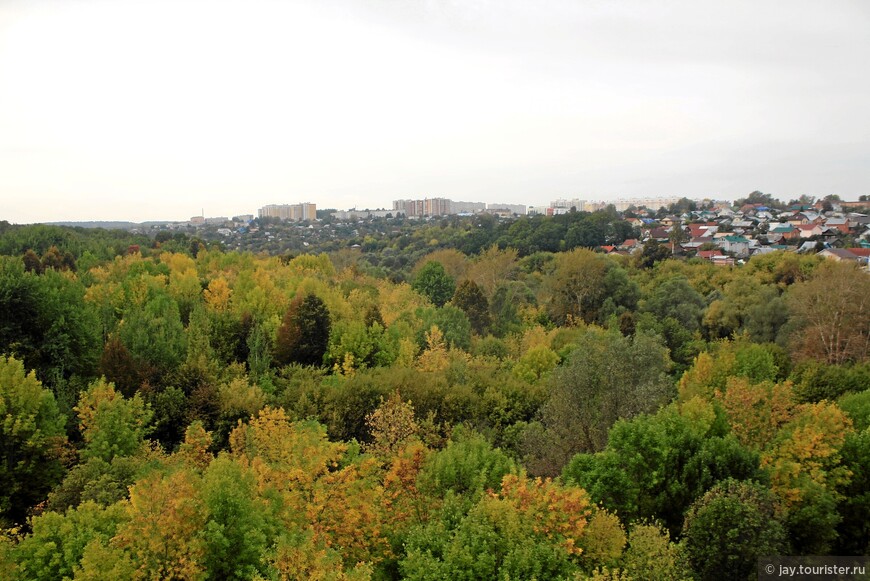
x=295, y=212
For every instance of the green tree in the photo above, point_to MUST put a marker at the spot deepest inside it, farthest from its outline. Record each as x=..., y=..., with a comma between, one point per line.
x=585, y=234
x=154, y=334
x=469, y=465
x=606, y=378
x=111, y=425
x=452, y=322
x=655, y=466
x=853, y=531
x=815, y=381
x=729, y=528
x=653, y=252
x=504, y=306
x=32, y=433
x=675, y=298
x=373, y=316
x=653, y=557
x=229, y=335
x=747, y=304
x=757, y=197
x=493, y=541
x=576, y=285
x=765, y=318
x=170, y=408
x=530, y=529
x=473, y=303
x=45, y=321
x=57, y=544
x=235, y=534
x=98, y=481
x=260, y=350
x=622, y=292
x=303, y=336
x=547, y=236
x=354, y=339
x=535, y=364
x=199, y=350
x=676, y=237
x=433, y=282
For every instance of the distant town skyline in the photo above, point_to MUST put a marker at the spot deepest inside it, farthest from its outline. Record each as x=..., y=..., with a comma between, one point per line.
x=587, y=204
x=154, y=110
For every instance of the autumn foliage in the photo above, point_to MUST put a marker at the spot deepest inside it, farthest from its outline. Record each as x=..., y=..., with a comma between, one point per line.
x=171, y=414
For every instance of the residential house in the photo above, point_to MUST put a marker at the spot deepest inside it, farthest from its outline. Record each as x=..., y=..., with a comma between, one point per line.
x=798, y=219
x=705, y=229
x=841, y=224
x=775, y=238
x=860, y=255
x=629, y=245
x=786, y=231
x=709, y=254
x=809, y=230
x=659, y=234
x=737, y=245
x=716, y=257
x=696, y=243
x=858, y=221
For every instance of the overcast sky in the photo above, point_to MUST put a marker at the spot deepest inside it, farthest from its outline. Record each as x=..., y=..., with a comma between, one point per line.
x=154, y=110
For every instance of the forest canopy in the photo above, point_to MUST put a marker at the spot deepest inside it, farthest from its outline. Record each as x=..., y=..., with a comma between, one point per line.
x=524, y=409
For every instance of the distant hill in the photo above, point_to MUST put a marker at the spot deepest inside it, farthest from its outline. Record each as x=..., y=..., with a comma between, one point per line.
x=109, y=225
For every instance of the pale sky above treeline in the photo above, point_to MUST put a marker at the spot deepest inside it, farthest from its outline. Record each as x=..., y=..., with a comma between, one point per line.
x=134, y=110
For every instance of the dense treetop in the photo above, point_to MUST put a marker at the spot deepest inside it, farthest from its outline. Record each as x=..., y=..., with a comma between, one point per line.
x=515, y=405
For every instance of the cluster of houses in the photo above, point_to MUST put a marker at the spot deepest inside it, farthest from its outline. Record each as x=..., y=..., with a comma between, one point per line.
x=726, y=235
